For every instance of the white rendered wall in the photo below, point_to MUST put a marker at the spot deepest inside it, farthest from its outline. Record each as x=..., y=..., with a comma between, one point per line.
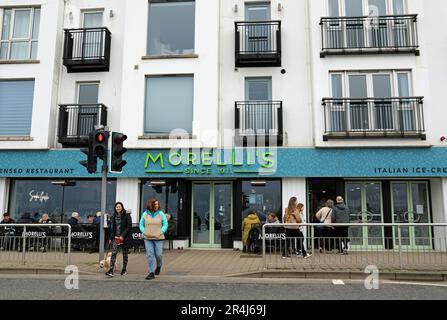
x=435, y=46
x=127, y=192
x=423, y=82
x=294, y=187
x=109, y=82
x=45, y=74
x=204, y=68
x=4, y=188
x=292, y=88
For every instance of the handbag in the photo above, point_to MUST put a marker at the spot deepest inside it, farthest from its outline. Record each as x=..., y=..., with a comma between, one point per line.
x=118, y=241
x=321, y=226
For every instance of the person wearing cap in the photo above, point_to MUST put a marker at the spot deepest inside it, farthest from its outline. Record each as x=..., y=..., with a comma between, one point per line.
x=7, y=219
x=74, y=220
x=341, y=214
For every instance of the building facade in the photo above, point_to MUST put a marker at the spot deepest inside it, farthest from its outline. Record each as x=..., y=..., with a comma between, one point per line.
x=229, y=106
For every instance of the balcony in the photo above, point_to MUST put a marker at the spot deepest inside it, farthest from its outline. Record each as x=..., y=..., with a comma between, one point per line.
x=77, y=121
x=369, y=35
x=258, y=44
x=87, y=50
x=346, y=118
x=258, y=123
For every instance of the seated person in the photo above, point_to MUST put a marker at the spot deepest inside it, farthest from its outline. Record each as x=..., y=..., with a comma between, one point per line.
x=251, y=219
x=7, y=219
x=74, y=220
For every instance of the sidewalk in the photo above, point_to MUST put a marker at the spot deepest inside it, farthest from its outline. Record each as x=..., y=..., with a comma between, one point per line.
x=190, y=262
x=221, y=263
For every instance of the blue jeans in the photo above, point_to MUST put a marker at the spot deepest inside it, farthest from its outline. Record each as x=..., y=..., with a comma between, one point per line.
x=154, y=247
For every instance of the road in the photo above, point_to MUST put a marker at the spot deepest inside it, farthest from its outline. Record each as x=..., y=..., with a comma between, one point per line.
x=52, y=287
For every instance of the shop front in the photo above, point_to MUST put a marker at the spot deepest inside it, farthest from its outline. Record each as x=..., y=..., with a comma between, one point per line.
x=379, y=201
x=208, y=193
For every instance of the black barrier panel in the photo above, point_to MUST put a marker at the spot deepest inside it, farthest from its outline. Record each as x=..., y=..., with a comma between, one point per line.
x=84, y=235
x=136, y=239
x=7, y=231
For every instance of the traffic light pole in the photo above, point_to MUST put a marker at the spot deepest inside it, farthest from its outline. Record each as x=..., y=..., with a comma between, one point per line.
x=103, y=207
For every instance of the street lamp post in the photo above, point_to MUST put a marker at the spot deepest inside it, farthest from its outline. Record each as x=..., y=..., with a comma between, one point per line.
x=63, y=184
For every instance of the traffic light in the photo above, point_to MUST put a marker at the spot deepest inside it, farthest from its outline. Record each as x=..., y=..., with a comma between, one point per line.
x=100, y=143
x=116, y=154
x=91, y=162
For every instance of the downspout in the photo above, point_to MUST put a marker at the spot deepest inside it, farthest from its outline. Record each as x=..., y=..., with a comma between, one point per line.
x=59, y=58
x=219, y=138
x=310, y=70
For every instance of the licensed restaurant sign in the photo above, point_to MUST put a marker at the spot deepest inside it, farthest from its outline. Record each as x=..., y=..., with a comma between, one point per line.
x=236, y=163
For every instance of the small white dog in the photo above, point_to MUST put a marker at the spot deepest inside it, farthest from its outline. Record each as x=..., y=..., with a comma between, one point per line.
x=106, y=262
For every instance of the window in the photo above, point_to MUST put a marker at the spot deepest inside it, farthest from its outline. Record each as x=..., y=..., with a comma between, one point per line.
x=375, y=101
x=171, y=27
x=38, y=196
x=257, y=12
x=359, y=8
x=16, y=107
x=169, y=103
x=258, y=89
x=167, y=192
x=20, y=33
x=262, y=197
x=92, y=40
x=376, y=31
x=88, y=93
x=258, y=113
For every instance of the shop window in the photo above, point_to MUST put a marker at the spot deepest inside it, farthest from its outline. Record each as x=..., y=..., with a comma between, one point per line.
x=35, y=197
x=166, y=192
x=262, y=197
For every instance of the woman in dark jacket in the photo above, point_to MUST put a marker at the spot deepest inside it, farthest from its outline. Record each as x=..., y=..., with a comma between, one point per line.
x=120, y=236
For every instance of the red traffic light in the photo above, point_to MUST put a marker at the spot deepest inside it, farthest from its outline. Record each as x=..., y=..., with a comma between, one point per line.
x=100, y=137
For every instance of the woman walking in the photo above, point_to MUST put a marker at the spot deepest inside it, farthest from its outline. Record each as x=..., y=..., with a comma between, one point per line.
x=153, y=225
x=121, y=225
x=291, y=215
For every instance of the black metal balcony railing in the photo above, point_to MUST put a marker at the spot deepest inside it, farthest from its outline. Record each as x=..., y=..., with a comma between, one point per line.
x=77, y=121
x=374, y=117
x=87, y=49
x=258, y=44
x=356, y=35
x=259, y=122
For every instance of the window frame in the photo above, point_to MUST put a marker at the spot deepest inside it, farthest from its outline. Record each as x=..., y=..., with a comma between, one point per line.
x=78, y=89
x=148, y=54
x=84, y=11
x=393, y=74
x=29, y=40
x=365, y=7
x=147, y=132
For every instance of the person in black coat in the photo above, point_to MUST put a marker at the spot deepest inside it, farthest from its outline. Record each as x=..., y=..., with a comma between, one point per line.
x=120, y=237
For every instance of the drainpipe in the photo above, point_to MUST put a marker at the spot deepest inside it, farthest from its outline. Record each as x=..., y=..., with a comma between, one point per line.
x=310, y=69
x=219, y=138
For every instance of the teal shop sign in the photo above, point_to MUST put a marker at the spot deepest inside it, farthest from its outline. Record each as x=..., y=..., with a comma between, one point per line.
x=212, y=163
x=237, y=163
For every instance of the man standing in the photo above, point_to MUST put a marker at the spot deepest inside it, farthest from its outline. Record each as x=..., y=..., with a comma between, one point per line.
x=341, y=214
x=7, y=219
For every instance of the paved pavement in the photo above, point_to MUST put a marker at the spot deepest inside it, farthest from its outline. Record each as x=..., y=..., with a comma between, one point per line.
x=183, y=263
x=216, y=263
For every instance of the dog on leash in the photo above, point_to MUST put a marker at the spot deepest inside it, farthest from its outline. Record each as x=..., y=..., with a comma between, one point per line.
x=106, y=262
